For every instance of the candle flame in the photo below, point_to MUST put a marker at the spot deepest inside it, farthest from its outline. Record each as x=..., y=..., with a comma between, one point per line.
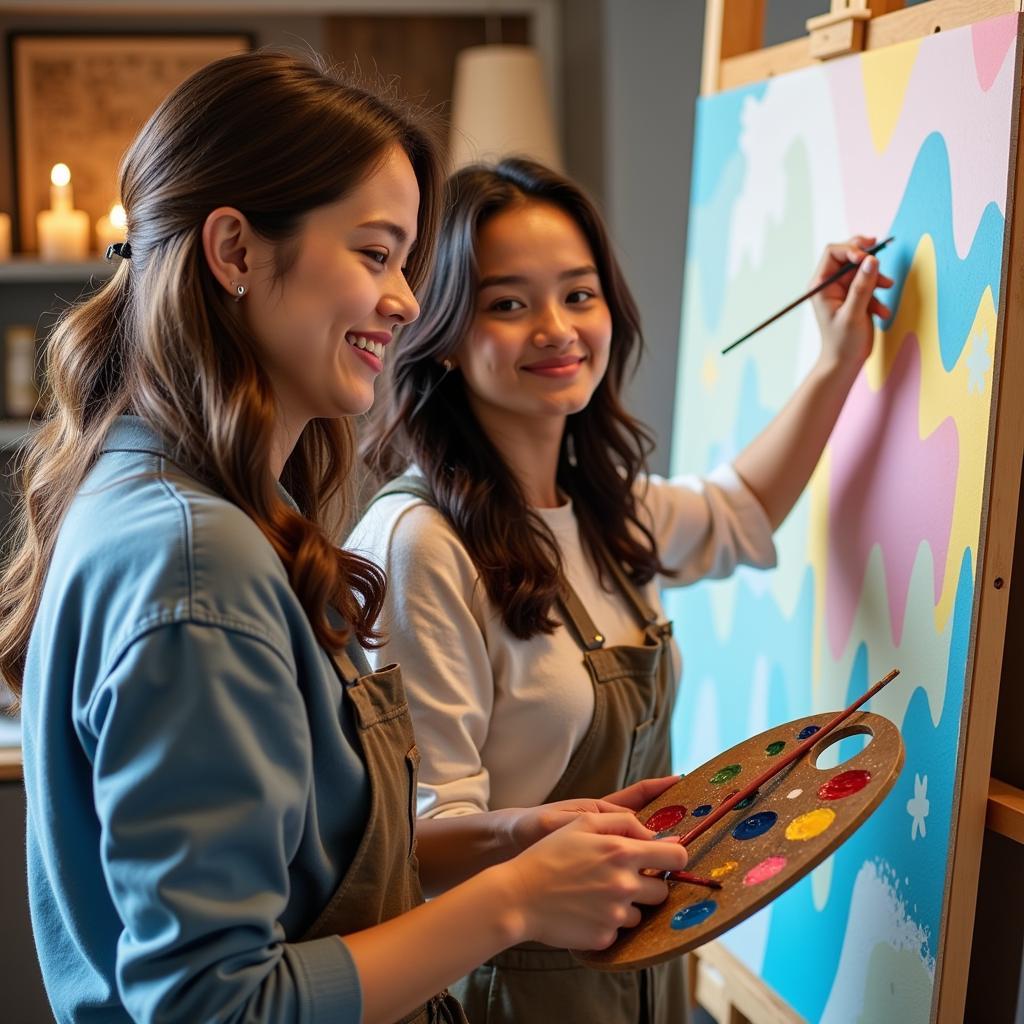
x=118, y=218
x=60, y=175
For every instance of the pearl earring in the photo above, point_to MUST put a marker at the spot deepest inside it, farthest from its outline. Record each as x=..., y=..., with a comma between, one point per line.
x=240, y=290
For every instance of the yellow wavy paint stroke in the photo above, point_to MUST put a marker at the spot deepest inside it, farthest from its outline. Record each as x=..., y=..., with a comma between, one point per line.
x=946, y=395
x=886, y=73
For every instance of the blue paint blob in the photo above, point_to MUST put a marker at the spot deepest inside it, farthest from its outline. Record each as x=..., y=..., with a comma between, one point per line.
x=699, y=812
x=809, y=730
x=754, y=826
x=696, y=913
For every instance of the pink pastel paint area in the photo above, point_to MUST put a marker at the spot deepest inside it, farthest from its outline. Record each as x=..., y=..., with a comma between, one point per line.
x=768, y=868
x=952, y=90
x=888, y=487
x=992, y=40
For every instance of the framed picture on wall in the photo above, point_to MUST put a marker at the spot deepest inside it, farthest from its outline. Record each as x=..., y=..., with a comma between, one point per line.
x=80, y=99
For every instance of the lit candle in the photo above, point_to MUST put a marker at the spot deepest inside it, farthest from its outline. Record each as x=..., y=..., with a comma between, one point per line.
x=63, y=231
x=111, y=227
x=5, y=236
x=61, y=196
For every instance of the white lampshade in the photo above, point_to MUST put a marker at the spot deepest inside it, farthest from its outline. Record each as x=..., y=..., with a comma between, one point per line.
x=500, y=107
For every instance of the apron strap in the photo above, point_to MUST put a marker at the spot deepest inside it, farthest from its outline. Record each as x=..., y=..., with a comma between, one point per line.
x=585, y=633
x=350, y=662
x=646, y=614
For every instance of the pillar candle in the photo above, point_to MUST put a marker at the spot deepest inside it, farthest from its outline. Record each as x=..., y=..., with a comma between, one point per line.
x=63, y=231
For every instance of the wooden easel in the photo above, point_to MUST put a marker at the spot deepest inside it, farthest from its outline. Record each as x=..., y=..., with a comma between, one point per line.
x=733, y=56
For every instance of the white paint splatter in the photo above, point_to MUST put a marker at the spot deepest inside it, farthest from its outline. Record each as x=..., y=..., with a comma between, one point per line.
x=878, y=918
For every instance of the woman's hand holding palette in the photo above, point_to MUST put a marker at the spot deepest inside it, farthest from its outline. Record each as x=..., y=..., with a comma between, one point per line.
x=764, y=844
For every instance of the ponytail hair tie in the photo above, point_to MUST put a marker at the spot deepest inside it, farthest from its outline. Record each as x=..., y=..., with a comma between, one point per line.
x=122, y=249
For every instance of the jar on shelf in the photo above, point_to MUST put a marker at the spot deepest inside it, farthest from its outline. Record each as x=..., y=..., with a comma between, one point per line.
x=20, y=390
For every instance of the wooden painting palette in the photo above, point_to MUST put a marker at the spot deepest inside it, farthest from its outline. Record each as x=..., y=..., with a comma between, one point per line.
x=763, y=845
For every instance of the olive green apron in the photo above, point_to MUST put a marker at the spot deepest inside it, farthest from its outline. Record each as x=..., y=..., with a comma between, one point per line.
x=383, y=879
x=628, y=740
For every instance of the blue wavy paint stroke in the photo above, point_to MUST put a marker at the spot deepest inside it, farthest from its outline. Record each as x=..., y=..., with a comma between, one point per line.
x=927, y=209
x=930, y=751
x=716, y=137
x=719, y=171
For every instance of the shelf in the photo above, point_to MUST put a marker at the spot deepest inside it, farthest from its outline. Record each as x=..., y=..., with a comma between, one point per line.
x=13, y=432
x=29, y=270
x=1005, y=810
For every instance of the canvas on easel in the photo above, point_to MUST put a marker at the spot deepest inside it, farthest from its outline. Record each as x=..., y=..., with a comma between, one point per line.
x=881, y=561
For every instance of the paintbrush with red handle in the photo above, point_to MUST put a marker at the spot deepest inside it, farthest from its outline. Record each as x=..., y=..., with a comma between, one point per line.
x=797, y=752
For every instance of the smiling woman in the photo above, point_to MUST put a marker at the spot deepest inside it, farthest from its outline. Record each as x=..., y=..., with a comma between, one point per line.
x=538, y=344
x=320, y=333
x=221, y=817
x=526, y=544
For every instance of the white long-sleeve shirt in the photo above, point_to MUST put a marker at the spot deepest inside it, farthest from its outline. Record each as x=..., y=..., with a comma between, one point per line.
x=497, y=718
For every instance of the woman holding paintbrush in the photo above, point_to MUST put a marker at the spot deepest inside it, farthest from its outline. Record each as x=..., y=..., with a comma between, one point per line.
x=526, y=543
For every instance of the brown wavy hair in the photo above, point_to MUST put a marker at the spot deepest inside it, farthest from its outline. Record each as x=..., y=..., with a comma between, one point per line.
x=428, y=420
x=275, y=135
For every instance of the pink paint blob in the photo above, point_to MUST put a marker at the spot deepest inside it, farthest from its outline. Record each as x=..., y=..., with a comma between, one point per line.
x=992, y=39
x=875, y=499
x=766, y=869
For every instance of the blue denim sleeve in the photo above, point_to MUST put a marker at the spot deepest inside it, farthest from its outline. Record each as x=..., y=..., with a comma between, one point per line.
x=202, y=772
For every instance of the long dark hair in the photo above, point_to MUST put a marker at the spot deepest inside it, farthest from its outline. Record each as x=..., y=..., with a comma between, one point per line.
x=276, y=136
x=428, y=420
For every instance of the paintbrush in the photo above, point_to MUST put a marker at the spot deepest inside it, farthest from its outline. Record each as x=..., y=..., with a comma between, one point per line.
x=682, y=876
x=685, y=876
x=770, y=773
x=831, y=279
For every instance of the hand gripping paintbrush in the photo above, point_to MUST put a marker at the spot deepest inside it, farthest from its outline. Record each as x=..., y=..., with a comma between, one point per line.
x=831, y=279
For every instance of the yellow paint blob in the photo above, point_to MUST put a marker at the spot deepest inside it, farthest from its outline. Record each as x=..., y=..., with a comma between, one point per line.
x=811, y=824
x=709, y=373
x=887, y=74
x=723, y=869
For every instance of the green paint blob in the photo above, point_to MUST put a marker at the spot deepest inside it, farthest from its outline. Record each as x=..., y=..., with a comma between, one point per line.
x=898, y=986
x=775, y=748
x=730, y=771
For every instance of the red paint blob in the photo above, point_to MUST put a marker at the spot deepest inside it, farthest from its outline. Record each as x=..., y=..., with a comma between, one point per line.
x=844, y=784
x=666, y=818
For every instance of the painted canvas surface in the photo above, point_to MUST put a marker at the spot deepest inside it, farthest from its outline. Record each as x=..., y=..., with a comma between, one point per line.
x=877, y=563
